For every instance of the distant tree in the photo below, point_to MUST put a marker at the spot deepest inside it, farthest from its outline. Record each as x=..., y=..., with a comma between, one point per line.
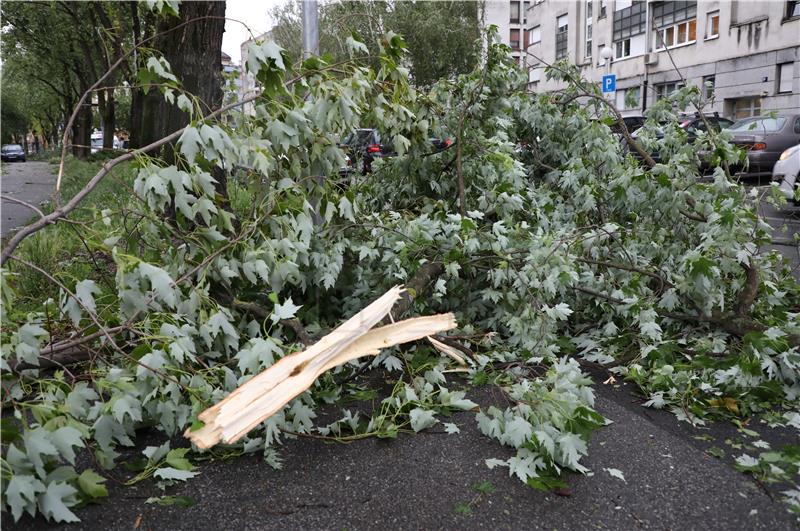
x=442, y=36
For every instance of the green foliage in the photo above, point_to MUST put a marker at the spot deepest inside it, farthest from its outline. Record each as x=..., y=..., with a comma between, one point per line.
x=442, y=36
x=565, y=252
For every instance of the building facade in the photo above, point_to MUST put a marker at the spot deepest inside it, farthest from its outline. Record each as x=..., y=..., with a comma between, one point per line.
x=511, y=21
x=744, y=55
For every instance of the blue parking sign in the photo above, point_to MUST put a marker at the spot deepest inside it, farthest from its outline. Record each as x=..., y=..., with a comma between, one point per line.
x=610, y=83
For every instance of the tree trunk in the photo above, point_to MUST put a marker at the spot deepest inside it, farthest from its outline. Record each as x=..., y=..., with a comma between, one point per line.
x=109, y=120
x=82, y=133
x=194, y=52
x=137, y=115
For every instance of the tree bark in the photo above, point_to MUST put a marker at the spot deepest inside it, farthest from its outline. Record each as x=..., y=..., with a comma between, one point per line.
x=194, y=52
x=82, y=133
x=109, y=120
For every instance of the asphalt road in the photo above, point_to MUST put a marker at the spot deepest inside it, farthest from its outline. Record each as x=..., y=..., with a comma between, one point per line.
x=417, y=481
x=32, y=182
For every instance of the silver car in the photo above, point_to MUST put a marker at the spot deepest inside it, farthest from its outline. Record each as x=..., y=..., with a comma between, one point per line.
x=765, y=138
x=787, y=173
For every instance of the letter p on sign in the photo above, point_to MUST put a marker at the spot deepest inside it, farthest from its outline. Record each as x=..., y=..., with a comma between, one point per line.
x=610, y=83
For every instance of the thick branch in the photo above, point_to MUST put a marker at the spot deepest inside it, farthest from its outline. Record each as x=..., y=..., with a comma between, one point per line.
x=749, y=292
x=417, y=285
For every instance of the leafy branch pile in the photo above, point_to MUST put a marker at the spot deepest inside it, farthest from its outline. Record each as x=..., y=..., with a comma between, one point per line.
x=553, y=248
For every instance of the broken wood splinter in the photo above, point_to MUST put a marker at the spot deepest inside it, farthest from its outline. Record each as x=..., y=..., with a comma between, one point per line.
x=267, y=392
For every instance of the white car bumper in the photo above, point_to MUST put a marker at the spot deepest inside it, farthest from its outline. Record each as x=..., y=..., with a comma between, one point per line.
x=786, y=173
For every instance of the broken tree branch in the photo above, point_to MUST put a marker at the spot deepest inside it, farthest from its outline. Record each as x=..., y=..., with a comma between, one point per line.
x=269, y=391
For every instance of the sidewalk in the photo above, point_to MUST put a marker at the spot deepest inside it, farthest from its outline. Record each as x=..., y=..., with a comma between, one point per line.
x=32, y=182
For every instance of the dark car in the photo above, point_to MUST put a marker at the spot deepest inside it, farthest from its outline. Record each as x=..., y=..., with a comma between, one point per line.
x=764, y=138
x=12, y=152
x=692, y=124
x=363, y=146
x=632, y=123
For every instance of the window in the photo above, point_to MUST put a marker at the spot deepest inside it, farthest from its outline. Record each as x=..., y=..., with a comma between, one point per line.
x=535, y=74
x=746, y=107
x=588, y=49
x=628, y=22
x=526, y=36
x=535, y=35
x=514, y=39
x=562, y=30
x=792, y=9
x=525, y=7
x=628, y=98
x=677, y=35
x=708, y=87
x=620, y=99
x=623, y=49
x=633, y=98
x=514, y=16
x=665, y=89
x=785, y=77
x=675, y=22
x=712, y=25
x=602, y=13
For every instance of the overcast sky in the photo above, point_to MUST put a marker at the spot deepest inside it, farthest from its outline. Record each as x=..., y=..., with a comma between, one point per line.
x=254, y=14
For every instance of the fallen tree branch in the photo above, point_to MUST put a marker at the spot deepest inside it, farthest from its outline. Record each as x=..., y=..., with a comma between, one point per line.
x=749, y=292
x=417, y=285
x=625, y=267
x=269, y=391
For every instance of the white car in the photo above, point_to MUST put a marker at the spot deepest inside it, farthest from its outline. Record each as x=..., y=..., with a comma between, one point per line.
x=787, y=173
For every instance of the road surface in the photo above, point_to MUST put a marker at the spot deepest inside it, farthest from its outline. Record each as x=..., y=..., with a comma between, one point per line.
x=32, y=182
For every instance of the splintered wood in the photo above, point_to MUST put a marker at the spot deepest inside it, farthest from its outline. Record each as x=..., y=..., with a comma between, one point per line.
x=266, y=393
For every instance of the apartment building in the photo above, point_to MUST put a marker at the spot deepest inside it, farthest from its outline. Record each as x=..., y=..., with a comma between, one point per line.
x=744, y=55
x=511, y=21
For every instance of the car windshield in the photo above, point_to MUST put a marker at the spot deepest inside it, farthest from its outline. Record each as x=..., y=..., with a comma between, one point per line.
x=758, y=124
x=360, y=137
x=11, y=148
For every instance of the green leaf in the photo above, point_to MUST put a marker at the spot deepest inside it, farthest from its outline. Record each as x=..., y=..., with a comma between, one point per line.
x=615, y=473
x=190, y=143
x=421, y=419
x=64, y=439
x=21, y=494
x=91, y=483
x=287, y=310
x=484, y=487
x=85, y=291
x=179, y=501
x=463, y=509
x=177, y=459
x=55, y=503
x=170, y=473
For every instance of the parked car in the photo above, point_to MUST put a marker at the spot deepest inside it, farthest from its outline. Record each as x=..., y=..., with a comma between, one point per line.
x=691, y=123
x=97, y=142
x=12, y=152
x=786, y=172
x=365, y=145
x=765, y=139
x=632, y=123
